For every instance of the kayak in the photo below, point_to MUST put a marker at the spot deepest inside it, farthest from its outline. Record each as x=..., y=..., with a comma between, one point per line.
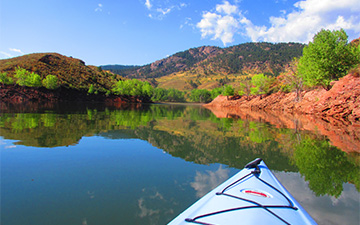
x=252, y=196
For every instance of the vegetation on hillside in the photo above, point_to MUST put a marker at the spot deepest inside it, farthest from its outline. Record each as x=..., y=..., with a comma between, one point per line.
x=71, y=73
x=207, y=60
x=327, y=58
x=246, y=69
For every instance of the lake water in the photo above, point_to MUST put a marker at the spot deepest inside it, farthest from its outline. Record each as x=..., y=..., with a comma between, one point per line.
x=96, y=164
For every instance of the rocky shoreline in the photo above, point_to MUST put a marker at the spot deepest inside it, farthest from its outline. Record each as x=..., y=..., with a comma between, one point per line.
x=341, y=102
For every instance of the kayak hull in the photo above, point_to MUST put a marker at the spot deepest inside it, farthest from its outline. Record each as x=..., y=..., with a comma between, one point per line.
x=252, y=196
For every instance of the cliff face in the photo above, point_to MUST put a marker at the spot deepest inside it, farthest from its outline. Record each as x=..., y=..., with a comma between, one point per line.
x=341, y=102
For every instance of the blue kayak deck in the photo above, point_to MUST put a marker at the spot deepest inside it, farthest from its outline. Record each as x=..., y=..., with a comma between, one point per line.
x=252, y=196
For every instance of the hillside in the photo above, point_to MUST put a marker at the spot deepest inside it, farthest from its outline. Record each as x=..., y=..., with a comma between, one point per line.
x=76, y=81
x=243, y=58
x=209, y=67
x=71, y=72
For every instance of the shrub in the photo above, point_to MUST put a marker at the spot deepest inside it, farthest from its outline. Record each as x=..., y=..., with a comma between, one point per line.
x=20, y=76
x=261, y=84
x=5, y=79
x=91, y=89
x=26, y=78
x=228, y=90
x=50, y=82
x=33, y=80
x=200, y=95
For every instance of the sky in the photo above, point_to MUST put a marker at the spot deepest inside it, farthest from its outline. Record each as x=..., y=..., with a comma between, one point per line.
x=138, y=32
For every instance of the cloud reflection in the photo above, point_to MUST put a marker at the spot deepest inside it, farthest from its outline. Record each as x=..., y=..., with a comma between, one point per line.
x=324, y=209
x=154, y=207
x=205, y=182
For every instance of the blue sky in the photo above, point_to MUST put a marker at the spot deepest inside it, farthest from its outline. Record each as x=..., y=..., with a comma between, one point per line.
x=138, y=32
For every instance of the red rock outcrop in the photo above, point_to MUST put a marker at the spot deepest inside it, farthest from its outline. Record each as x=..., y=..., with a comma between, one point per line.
x=341, y=102
x=334, y=113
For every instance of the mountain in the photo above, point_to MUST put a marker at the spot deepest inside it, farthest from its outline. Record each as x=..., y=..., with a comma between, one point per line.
x=209, y=60
x=71, y=72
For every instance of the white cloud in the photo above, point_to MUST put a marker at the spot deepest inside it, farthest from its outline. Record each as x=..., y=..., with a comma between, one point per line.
x=16, y=50
x=226, y=8
x=160, y=11
x=220, y=24
x=308, y=18
x=99, y=8
x=205, y=182
x=163, y=11
x=148, y=4
x=299, y=25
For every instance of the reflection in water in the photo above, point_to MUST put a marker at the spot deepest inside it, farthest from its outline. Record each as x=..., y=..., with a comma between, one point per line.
x=205, y=182
x=325, y=167
x=194, y=134
x=153, y=206
x=326, y=210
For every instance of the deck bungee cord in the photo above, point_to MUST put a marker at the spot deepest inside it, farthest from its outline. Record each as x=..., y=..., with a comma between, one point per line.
x=253, y=174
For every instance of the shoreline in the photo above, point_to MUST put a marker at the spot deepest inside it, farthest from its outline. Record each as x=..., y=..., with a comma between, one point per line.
x=15, y=94
x=341, y=102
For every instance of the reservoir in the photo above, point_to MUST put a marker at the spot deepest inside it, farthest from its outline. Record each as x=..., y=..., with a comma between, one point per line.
x=144, y=164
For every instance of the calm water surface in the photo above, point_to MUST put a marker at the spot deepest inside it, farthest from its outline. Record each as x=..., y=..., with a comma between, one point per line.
x=145, y=165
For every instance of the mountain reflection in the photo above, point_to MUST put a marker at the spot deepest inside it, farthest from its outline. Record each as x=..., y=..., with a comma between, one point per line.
x=195, y=134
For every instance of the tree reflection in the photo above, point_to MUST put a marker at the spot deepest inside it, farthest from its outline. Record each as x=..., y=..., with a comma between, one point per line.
x=325, y=167
x=194, y=134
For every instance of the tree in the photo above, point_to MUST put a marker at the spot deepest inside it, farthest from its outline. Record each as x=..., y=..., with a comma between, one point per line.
x=200, y=95
x=33, y=80
x=260, y=84
x=245, y=88
x=91, y=89
x=26, y=78
x=21, y=75
x=292, y=79
x=50, y=82
x=216, y=92
x=228, y=90
x=328, y=57
x=5, y=79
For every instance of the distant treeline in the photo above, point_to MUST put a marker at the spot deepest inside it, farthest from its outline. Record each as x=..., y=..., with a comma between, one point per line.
x=118, y=68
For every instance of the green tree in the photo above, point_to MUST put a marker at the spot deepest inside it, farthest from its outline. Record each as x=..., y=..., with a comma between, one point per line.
x=50, y=82
x=245, y=88
x=216, y=92
x=133, y=87
x=91, y=89
x=174, y=95
x=33, y=80
x=328, y=57
x=21, y=76
x=5, y=79
x=200, y=95
x=260, y=84
x=147, y=89
x=160, y=94
x=26, y=78
x=228, y=90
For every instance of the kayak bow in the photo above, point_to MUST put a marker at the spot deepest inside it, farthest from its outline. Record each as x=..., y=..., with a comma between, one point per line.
x=252, y=196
